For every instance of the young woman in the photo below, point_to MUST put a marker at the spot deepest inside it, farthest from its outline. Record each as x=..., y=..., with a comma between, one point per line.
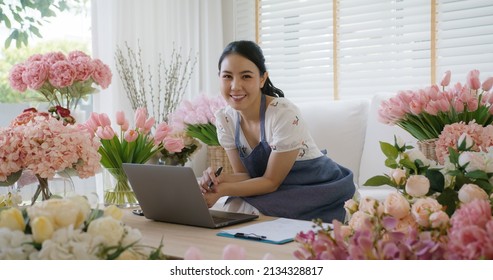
x=278, y=169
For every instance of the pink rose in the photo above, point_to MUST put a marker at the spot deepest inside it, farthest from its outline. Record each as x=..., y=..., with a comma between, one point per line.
x=417, y=185
x=396, y=205
x=470, y=192
x=174, y=145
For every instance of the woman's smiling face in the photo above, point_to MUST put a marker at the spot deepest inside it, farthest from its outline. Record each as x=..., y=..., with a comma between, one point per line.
x=241, y=82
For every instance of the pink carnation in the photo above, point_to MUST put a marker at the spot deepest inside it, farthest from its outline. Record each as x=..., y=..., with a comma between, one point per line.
x=36, y=74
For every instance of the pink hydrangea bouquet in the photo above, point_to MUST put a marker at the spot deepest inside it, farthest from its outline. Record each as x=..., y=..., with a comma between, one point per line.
x=197, y=118
x=424, y=112
x=399, y=229
x=63, y=80
x=44, y=145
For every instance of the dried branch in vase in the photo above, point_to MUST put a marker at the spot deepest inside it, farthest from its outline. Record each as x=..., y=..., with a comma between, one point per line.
x=172, y=80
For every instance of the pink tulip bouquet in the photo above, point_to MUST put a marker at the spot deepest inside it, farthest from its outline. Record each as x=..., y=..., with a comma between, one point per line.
x=424, y=112
x=63, y=80
x=128, y=145
x=197, y=118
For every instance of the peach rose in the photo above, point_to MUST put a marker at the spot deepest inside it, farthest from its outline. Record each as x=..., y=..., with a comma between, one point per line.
x=398, y=175
x=351, y=206
x=423, y=208
x=417, y=185
x=396, y=205
x=469, y=192
x=371, y=206
x=359, y=221
x=439, y=219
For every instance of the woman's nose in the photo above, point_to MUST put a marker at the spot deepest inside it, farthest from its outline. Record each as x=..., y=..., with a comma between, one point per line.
x=235, y=84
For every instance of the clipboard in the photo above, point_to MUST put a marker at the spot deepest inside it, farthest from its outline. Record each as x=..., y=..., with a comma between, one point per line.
x=278, y=231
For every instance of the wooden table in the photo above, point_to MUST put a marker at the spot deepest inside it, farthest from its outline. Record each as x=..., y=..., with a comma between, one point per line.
x=177, y=239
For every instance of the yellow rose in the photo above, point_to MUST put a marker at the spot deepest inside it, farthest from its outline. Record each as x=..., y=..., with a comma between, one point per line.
x=12, y=218
x=114, y=212
x=42, y=229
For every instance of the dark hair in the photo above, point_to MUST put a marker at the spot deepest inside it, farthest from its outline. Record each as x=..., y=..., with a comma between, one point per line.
x=251, y=51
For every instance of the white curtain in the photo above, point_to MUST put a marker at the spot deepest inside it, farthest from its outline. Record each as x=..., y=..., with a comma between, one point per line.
x=157, y=26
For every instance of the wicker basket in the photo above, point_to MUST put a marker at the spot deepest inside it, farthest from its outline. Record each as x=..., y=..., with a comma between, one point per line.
x=427, y=147
x=216, y=157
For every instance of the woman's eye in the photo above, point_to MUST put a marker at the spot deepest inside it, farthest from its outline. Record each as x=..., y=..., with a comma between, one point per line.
x=246, y=76
x=226, y=76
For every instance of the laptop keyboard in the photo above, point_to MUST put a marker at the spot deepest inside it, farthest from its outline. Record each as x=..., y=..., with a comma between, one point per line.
x=220, y=220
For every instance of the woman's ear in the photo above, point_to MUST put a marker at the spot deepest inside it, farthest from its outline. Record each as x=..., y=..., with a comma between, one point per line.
x=263, y=79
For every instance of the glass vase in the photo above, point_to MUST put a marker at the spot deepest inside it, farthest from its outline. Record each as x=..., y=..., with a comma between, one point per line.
x=117, y=189
x=34, y=188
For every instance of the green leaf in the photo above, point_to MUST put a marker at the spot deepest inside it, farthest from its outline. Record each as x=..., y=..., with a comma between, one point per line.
x=477, y=174
x=378, y=180
x=437, y=180
x=449, y=199
x=35, y=31
x=389, y=150
x=485, y=185
x=391, y=163
x=408, y=163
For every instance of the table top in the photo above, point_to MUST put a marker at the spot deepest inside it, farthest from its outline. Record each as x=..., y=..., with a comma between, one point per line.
x=177, y=239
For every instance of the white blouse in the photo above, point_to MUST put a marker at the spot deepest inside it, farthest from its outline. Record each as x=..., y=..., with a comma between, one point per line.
x=285, y=130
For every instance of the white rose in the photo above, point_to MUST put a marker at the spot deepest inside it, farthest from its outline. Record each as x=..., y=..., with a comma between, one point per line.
x=476, y=161
x=465, y=142
x=417, y=154
x=62, y=212
x=14, y=244
x=417, y=185
x=108, y=228
x=113, y=211
x=470, y=192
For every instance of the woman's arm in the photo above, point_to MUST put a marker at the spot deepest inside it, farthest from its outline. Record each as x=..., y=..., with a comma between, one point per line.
x=278, y=167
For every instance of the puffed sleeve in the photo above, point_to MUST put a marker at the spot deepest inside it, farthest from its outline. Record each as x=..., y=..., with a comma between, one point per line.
x=225, y=121
x=289, y=132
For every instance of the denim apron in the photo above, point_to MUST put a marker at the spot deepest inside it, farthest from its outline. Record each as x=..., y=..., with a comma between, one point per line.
x=315, y=188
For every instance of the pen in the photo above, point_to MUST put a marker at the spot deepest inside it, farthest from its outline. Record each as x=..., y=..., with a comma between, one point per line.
x=251, y=236
x=218, y=172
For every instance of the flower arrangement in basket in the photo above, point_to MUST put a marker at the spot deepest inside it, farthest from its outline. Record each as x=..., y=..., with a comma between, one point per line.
x=129, y=145
x=68, y=229
x=197, y=119
x=63, y=80
x=44, y=145
x=436, y=212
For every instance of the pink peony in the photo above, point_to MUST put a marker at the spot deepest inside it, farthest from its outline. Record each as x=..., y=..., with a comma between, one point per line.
x=15, y=78
x=62, y=74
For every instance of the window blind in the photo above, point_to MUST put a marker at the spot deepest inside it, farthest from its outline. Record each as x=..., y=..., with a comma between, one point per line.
x=296, y=37
x=383, y=46
x=245, y=20
x=465, y=38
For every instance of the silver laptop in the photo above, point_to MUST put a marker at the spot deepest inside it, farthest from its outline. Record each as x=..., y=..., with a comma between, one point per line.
x=172, y=194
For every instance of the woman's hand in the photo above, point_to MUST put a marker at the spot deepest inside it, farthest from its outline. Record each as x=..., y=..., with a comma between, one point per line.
x=211, y=198
x=208, y=181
